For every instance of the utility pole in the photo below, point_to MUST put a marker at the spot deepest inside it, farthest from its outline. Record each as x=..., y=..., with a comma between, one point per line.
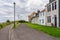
x=14, y=13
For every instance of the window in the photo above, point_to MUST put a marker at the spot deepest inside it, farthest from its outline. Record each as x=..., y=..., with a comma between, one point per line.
x=51, y=1
x=49, y=8
x=55, y=5
x=52, y=6
x=40, y=14
x=37, y=14
x=49, y=19
x=42, y=20
x=43, y=13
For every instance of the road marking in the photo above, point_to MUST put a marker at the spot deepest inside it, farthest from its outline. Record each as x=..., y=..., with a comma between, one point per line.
x=10, y=33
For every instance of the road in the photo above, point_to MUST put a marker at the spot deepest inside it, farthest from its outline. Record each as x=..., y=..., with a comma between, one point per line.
x=4, y=33
x=23, y=32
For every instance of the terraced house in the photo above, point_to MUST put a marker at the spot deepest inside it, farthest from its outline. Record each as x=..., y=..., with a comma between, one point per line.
x=30, y=16
x=42, y=17
x=34, y=18
x=50, y=16
x=53, y=13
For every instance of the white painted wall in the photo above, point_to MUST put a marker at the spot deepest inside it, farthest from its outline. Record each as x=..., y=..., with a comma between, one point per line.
x=35, y=20
x=52, y=13
x=42, y=17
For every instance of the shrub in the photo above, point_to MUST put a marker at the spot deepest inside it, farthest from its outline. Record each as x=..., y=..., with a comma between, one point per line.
x=8, y=21
x=1, y=26
x=23, y=21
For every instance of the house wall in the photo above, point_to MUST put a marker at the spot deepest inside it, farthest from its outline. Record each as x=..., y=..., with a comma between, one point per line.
x=35, y=20
x=59, y=12
x=52, y=13
x=42, y=18
x=52, y=16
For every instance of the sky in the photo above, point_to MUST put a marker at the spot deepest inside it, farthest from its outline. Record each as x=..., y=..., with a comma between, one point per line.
x=23, y=8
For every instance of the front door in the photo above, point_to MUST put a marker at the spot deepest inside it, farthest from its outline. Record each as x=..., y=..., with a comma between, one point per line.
x=55, y=19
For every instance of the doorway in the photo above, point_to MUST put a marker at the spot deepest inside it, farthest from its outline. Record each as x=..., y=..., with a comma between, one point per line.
x=55, y=19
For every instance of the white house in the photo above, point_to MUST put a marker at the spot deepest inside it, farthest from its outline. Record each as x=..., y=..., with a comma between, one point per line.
x=53, y=13
x=42, y=17
x=35, y=18
x=50, y=17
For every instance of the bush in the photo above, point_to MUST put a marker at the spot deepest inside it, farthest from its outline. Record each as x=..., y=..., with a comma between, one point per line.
x=1, y=26
x=23, y=21
x=8, y=21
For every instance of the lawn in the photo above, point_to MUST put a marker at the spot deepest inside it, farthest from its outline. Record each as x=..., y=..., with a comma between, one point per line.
x=46, y=29
x=2, y=25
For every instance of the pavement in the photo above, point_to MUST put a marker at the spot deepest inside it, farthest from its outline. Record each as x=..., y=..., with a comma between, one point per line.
x=23, y=32
x=4, y=33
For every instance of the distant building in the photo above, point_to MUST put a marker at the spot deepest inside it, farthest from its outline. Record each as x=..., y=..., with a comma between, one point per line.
x=34, y=18
x=30, y=16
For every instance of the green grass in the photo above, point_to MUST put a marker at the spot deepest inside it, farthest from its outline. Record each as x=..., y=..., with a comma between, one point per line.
x=16, y=25
x=2, y=25
x=46, y=29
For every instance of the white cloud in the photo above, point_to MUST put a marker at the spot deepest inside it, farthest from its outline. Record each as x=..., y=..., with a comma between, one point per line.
x=23, y=8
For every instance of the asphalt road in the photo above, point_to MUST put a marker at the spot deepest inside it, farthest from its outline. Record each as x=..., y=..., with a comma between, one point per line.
x=4, y=33
x=23, y=32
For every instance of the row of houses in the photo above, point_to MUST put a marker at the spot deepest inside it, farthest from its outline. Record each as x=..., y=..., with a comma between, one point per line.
x=49, y=16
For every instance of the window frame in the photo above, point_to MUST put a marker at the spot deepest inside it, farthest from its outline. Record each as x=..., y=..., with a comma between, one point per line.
x=55, y=5
x=49, y=19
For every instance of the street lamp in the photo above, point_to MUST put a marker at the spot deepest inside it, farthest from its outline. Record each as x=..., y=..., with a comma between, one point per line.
x=14, y=13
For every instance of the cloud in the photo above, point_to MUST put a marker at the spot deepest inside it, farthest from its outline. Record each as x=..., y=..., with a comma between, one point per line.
x=23, y=8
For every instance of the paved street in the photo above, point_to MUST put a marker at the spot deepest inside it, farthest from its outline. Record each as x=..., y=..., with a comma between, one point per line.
x=4, y=33
x=25, y=33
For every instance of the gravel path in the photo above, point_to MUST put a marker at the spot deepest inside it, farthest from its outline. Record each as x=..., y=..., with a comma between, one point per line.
x=23, y=32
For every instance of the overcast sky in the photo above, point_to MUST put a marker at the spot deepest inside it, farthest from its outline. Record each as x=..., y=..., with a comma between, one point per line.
x=23, y=8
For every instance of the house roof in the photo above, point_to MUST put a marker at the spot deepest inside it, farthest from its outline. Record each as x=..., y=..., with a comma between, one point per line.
x=46, y=4
x=43, y=10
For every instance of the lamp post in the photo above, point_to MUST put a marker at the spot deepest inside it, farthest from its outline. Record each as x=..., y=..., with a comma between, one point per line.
x=14, y=13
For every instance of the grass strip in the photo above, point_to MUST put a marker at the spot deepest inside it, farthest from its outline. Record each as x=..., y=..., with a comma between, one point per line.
x=3, y=25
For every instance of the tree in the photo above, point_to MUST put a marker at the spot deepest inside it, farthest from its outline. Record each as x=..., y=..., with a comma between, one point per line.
x=8, y=21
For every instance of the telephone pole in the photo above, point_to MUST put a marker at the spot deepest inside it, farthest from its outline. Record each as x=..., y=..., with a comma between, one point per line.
x=14, y=13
